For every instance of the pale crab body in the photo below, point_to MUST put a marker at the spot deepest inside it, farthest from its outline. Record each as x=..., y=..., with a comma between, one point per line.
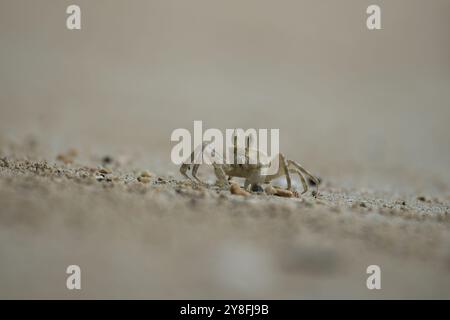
x=242, y=167
x=255, y=174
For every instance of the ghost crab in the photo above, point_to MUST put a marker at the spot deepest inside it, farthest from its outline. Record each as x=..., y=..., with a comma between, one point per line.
x=254, y=174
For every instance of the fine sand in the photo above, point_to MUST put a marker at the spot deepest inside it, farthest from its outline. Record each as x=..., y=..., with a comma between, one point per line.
x=83, y=113
x=136, y=234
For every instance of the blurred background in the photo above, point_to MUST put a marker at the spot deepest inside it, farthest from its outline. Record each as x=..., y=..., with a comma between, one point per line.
x=345, y=98
x=358, y=107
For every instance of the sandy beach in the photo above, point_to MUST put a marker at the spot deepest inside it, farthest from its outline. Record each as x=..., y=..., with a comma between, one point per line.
x=86, y=176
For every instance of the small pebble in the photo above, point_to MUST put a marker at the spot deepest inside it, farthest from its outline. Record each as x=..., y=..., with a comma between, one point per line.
x=63, y=158
x=280, y=192
x=146, y=174
x=67, y=157
x=237, y=190
x=143, y=179
x=270, y=190
x=284, y=193
x=107, y=160
x=256, y=188
x=104, y=170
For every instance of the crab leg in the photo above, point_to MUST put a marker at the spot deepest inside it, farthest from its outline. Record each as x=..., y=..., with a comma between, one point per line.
x=299, y=167
x=220, y=175
x=286, y=171
x=185, y=167
x=194, y=173
x=305, y=185
x=282, y=170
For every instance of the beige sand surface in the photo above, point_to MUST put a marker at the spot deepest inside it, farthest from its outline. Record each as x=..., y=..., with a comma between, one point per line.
x=366, y=111
x=165, y=238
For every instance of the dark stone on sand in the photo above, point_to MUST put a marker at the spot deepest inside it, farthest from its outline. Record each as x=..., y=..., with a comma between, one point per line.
x=257, y=188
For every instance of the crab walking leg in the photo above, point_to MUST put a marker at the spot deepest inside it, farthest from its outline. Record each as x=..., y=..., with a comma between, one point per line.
x=279, y=173
x=303, y=170
x=218, y=169
x=286, y=171
x=195, y=155
x=185, y=167
x=305, y=185
x=194, y=173
x=220, y=175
